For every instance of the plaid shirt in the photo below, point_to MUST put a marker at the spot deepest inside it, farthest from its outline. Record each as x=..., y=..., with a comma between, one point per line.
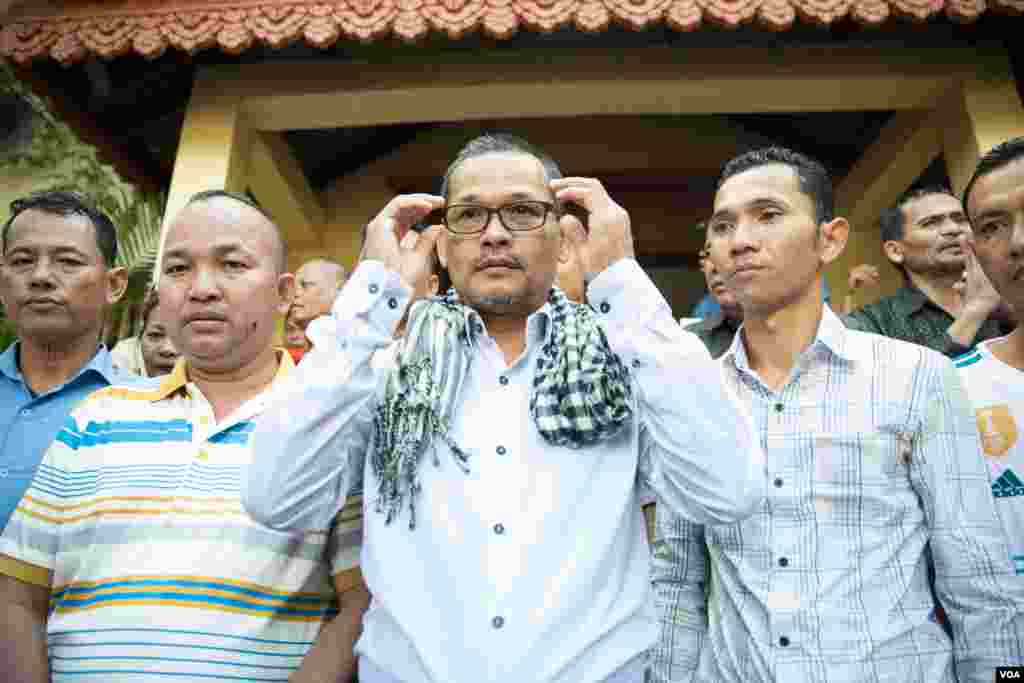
x=911, y=316
x=872, y=458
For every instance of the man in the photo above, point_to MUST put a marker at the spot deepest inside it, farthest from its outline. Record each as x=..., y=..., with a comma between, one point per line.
x=718, y=329
x=295, y=336
x=504, y=541
x=921, y=236
x=57, y=278
x=875, y=471
x=993, y=371
x=130, y=557
x=317, y=283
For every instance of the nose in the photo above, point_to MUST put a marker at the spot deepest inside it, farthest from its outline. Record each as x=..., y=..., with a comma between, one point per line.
x=952, y=228
x=42, y=276
x=743, y=238
x=494, y=232
x=167, y=349
x=204, y=285
x=1017, y=236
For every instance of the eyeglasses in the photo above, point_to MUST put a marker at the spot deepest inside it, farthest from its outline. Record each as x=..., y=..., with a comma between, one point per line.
x=469, y=219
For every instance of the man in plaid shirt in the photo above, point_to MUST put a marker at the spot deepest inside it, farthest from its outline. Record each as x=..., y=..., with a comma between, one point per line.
x=874, y=471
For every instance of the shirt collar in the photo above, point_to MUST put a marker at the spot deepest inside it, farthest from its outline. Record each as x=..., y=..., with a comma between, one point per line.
x=909, y=300
x=832, y=335
x=538, y=325
x=177, y=380
x=102, y=363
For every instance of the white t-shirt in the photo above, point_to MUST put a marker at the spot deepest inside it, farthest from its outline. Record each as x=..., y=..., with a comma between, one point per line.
x=996, y=391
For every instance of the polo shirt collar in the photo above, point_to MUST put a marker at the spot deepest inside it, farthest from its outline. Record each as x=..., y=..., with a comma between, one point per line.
x=909, y=300
x=178, y=379
x=101, y=363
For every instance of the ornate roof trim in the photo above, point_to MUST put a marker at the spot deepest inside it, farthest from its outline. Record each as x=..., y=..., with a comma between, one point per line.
x=112, y=28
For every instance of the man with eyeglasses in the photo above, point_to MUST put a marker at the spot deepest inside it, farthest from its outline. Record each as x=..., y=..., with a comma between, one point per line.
x=503, y=448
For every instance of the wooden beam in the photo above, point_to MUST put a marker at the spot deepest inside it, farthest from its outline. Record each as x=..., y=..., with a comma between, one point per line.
x=278, y=182
x=983, y=112
x=907, y=144
x=212, y=151
x=554, y=84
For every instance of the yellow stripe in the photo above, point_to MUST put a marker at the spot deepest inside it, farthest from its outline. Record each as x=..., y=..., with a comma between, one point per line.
x=180, y=603
x=127, y=511
x=25, y=572
x=161, y=577
x=105, y=499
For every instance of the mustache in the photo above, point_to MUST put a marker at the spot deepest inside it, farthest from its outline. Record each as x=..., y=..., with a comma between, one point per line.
x=505, y=261
x=206, y=315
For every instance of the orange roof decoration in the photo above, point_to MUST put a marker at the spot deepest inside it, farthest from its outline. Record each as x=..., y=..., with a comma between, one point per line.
x=112, y=28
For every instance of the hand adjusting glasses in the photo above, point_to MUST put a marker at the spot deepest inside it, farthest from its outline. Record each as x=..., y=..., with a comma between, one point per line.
x=470, y=219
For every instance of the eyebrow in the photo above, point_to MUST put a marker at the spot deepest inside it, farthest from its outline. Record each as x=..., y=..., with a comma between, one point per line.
x=991, y=213
x=935, y=216
x=515, y=196
x=218, y=250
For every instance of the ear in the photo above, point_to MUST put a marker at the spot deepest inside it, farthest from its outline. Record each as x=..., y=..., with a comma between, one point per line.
x=433, y=285
x=117, y=283
x=285, y=292
x=893, y=251
x=834, y=236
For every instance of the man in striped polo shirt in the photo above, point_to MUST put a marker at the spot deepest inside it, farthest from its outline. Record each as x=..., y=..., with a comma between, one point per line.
x=992, y=372
x=130, y=557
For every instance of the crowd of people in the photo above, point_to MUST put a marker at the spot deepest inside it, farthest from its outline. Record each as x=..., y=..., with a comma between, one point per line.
x=441, y=474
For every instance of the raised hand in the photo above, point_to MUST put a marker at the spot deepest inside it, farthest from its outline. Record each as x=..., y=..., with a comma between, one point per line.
x=608, y=238
x=390, y=240
x=864, y=275
x=977, y=294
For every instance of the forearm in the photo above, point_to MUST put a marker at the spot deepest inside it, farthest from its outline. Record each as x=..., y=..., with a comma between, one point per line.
x=332, y=657
x=23, y=648
x=305, y=441
x=701, y=453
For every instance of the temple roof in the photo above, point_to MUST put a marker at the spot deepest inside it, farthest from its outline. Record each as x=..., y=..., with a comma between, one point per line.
x=111, y=28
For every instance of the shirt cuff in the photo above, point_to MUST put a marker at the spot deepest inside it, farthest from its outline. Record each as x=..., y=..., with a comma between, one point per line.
x=622, y=291
x=373, y=293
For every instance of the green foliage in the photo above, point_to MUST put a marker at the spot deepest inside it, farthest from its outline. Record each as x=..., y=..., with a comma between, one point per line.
x=62, y=161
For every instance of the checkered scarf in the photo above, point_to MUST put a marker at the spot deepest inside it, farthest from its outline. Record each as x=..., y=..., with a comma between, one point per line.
x=581, y=392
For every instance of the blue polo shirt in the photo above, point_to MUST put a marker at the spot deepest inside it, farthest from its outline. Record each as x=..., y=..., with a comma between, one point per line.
x=29, y=423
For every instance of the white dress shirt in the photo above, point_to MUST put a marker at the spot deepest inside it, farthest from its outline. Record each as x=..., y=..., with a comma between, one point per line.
x=534, y=565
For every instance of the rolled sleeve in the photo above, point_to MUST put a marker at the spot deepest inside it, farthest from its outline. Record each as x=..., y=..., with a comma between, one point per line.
x=699, y=449
x=309, y=444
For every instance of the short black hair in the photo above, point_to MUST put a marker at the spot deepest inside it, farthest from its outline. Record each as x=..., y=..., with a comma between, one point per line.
x=891, y=220
x=252, y=203
x=69, y=203
x=997, y=157
x=496, y=143
x=815, y=180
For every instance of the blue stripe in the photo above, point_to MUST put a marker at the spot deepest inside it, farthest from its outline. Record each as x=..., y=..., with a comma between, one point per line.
x=87, y=672
x=229, y=636
x=136, y=431
x=964, y=361
x=207, y=599
x=190, y=584
x=129, y=643
x=176, y=659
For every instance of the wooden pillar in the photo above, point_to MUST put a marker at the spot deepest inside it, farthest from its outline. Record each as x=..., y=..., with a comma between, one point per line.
x=983, y=112
x=906, y=146
x=212, y=151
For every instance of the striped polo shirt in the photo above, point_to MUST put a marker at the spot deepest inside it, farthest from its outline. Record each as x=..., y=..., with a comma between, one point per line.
x=134, y=521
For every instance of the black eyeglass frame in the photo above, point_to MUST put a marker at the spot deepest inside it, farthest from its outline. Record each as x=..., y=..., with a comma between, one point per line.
x=549, y=207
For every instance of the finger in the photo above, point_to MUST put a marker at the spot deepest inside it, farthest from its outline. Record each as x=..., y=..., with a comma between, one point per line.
x=584, y=196
x=573, y=230
x=427, y=240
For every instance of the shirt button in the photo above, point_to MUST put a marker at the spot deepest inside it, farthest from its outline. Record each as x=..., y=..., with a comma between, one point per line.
x=374, y=288
x=783, y=562
x=636, y=363
x=26, y=412
x=500, y=450
x=203, y=455
x=3, y=472
x=392, y=303
x=499, y=529
x=498, y=622
x=784, y=641
x=605, y=307
x=778, y=483
x=779, y=407
x=503, y=380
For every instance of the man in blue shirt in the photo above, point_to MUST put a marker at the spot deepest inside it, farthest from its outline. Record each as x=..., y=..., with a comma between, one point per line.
x=57, y=278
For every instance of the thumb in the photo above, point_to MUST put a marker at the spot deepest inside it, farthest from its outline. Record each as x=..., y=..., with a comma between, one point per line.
x=427, y=240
